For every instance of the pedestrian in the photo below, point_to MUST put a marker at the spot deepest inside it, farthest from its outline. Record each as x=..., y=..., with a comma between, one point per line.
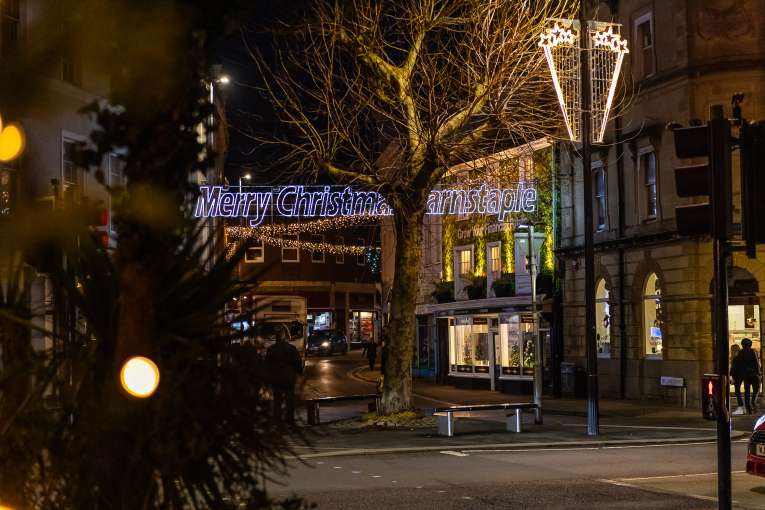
x=371, y=354
x=737, y=377
x=748, y=368
x=284, y=364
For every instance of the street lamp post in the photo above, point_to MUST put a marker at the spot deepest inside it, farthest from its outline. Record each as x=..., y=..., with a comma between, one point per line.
x=593, y=418
x=532, y=258
x=585, y=59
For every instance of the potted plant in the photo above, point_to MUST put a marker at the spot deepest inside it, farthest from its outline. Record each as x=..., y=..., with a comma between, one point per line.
x=504, y=286
x=477, y=287
x=443, y=291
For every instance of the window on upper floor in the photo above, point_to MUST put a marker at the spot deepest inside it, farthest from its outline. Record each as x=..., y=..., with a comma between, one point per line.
x=340, y=256
x=495, y=260
x=361, y=258
x=317, y=256
x=254, y=252
x=648, y=175
x=525, y=169
x=116, y=175
x=464, y=261
x=72, y=173
x=601, y=205
x=290, y=253
x=71, y=67
x=10, y=26
x=644, y=54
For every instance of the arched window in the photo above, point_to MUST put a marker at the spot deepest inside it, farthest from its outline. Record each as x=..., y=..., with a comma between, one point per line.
x=602, y=319
x=653, y=316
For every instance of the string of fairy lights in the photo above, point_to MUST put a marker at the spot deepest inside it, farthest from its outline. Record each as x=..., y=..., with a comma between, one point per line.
x=275, y=234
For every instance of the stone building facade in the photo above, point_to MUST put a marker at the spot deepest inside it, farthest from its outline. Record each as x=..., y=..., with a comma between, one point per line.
x=653, y=300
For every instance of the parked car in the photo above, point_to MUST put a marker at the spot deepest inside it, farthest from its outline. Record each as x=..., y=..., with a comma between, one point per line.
x=327, y=342
x=755, y=457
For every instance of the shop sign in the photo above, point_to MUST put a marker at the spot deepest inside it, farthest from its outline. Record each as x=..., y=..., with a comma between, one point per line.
x=257, y=203
x=527, y=318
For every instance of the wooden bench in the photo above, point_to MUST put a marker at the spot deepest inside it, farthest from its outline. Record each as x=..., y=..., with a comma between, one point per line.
x=312, y=405
x=446, y=415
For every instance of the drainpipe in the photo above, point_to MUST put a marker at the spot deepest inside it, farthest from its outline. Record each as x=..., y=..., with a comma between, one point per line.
x=622, y=325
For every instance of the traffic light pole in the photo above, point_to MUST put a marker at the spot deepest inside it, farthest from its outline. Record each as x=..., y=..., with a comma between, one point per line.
x=720, y=160
x=593, y=426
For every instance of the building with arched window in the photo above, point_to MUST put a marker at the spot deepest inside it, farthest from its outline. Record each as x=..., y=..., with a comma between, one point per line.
x=653, y=297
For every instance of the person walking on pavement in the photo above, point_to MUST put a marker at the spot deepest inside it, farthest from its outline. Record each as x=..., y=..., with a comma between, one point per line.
x=284, y=364
x=371, y=354
x=737, y=377
x=746, y=366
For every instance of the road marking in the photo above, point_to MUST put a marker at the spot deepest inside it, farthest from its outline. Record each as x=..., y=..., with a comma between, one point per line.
x=418, y=487
x=456, y=454
x=355, y=472
x=320, y=463
x=394, y=481
x=534, y=449
x=574, y=448
x=674, y=476
x=376, y=476
x=657, y=490
x=440, y=492
x=337, y=467
x=653, y=427
x=466, y=497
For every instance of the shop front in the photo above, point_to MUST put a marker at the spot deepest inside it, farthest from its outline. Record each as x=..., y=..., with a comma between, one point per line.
x=490, y=343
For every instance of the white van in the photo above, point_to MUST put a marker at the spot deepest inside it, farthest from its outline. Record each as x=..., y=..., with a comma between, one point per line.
x=280, y=315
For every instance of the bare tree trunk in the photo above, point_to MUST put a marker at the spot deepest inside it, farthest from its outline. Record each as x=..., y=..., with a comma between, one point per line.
x=397, y=390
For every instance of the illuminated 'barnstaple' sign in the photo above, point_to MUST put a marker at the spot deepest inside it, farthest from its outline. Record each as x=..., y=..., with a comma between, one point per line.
x=323, y=201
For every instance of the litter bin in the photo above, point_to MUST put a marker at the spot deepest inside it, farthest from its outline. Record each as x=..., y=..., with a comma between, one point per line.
x=568, y=379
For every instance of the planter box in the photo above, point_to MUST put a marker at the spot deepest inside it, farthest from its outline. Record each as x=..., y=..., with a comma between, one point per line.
x=475, y=292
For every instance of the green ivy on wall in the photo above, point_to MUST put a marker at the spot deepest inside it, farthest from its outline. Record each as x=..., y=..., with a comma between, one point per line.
x=449, y=234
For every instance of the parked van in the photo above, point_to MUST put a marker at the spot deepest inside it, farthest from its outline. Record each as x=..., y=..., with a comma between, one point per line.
x=275, y=316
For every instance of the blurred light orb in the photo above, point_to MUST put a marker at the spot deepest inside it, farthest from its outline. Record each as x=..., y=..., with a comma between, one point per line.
x=139, y=376
x=224, y=80
x=11, y=144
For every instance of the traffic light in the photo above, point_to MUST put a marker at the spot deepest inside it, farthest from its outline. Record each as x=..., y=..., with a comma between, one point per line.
x=753, y=185
x=711, y=396
x=98, y=225
x=709, y=179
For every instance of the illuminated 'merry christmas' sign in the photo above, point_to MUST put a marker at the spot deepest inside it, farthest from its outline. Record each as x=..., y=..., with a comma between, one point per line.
x=256, y=203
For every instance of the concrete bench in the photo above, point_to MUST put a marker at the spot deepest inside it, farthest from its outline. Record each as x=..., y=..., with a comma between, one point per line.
x=446, y=418
x=313, y=405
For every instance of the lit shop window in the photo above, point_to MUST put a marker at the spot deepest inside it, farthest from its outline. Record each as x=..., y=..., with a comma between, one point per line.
x=516, y=334
x=317, y=256
x=469, y=345
x=602, y=319
x=653, y=316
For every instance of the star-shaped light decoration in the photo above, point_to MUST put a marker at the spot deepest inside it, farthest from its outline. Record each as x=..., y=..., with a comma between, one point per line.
x=555, y=36
x=610, y=40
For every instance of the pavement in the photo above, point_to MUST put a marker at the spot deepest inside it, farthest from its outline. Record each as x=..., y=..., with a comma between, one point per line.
x=623, y=422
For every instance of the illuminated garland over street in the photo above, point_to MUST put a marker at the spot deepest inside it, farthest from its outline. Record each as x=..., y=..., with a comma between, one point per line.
x=272, y=235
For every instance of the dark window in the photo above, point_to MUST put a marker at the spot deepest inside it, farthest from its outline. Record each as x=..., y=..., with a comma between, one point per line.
x=361, y=257
x=600, y=197
x=254, y=252
x=340, y=257
x=71, y=68
x=648, y=170
x=317, y=256
x=645, y=45
x=72, y=173
x=290, y=253
x=11, y=20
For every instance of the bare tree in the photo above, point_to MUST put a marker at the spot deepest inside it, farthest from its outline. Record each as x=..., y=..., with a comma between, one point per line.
x=439, y=81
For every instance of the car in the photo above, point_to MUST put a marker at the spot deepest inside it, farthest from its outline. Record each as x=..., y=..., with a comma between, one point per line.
x=326, y=342
x=755, y=456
